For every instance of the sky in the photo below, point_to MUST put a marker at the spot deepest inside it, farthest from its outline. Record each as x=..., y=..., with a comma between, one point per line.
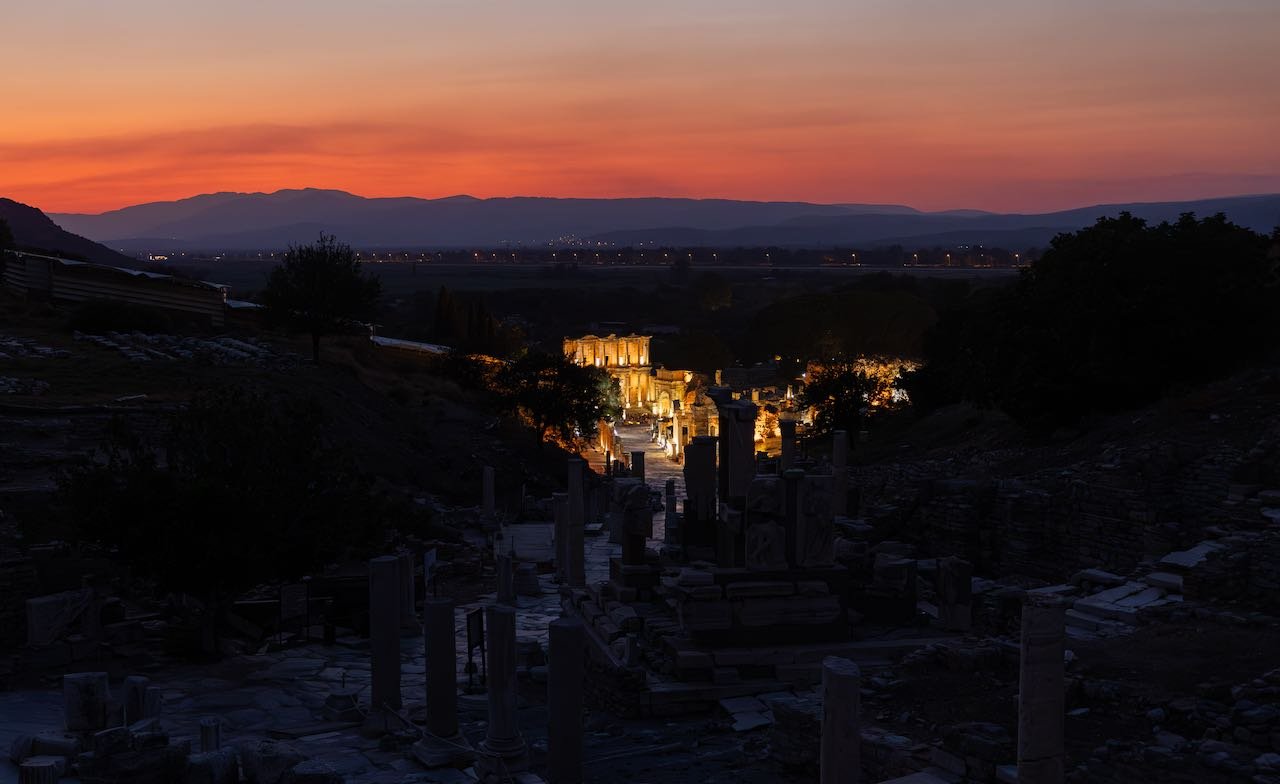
x=1010, y=105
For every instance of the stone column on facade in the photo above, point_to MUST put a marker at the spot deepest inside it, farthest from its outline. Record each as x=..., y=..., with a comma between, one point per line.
x=1042, y=692
x=489, y=498
x=503, y=749
x=441, y=667
x=841, y=746
x=565, y=672
x=788, y=428
x=955, y=594
x=840, y=472
x=384, y=634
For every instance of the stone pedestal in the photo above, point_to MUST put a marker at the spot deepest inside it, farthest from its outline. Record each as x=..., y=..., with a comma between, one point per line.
x=1042, y=692
x=503, y=749
x=441, y=666
x=85, y=700
x=384, y=634
x=489, y=495
x=955, y=594
x=840, y=754
x=38, y=771
x=566, y=669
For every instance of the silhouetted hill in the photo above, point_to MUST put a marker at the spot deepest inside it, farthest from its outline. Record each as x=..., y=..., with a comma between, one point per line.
x=274, y=220
x=34, y=231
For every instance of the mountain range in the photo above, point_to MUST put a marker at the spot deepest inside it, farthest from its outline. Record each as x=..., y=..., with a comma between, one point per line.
x=245, y=221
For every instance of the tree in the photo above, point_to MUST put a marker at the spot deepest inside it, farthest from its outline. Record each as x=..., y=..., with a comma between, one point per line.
x=558, y=396
x=320, y=288
x=840, y=396
x=6, y=236
x=1109, y=318
x=241, y=487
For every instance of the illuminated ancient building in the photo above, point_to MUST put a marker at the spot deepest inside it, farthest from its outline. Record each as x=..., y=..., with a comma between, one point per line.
x=625, y=358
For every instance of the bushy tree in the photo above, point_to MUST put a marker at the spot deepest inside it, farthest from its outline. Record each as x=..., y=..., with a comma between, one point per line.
x=558, y=396
x=840, y=396
x=320, y=288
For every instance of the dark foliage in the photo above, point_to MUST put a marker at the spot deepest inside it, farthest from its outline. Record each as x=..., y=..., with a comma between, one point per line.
x=1112, y=317
x=99, y=316
x=319, y=289
x=241, y=487
x=840, y=396
x=6, y=235
x=558, y=396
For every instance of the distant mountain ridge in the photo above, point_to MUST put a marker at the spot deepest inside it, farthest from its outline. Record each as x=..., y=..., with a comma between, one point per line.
x=34, y=231
x=241, y=221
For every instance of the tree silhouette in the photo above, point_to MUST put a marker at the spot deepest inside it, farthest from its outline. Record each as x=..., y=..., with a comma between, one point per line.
x=556, y=395
x=840, y=396
x=6, y=236
x=320, y=289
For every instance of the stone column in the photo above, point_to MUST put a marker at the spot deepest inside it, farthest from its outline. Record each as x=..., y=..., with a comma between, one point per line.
x=210, y=734
x=441, y=666
x=1041, y=692
x=85, y=698
x=506, y=580
x=637, y=465
x=840, y=472
x=737, y=444
x=135, y=698
x=700, y=477
x=41, y=770
x=577, y=512
x=788, y=427
x=503, y=748
x=560, y=513
x=840, y=755
x=489, y=499
x=671, y=516
x=955, y=594
x=384, y=633
x=408, y=594
x=565, y=671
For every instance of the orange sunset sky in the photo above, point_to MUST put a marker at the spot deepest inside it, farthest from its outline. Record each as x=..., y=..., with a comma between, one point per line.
x=1015, y=105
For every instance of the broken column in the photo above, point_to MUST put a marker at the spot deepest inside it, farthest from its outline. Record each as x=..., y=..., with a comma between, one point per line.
x=503, y=749
x=841, y=746
x=85, y=701
x=560, y=513
x=40, y=770
x=135, y=698
x=698, y=527
x=441, y=667
x=955, y=594
x=637, y=465
x=577, y=513
x=840, y=471
x=210, y=734
x=1041, y=692
x=489, y=500
x=408, y=593
x=384, y=634
x=566, y=669
x=788, y=428
x=506, y=580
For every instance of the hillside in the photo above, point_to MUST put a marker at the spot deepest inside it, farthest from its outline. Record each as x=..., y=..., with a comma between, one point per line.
x=33, y=230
